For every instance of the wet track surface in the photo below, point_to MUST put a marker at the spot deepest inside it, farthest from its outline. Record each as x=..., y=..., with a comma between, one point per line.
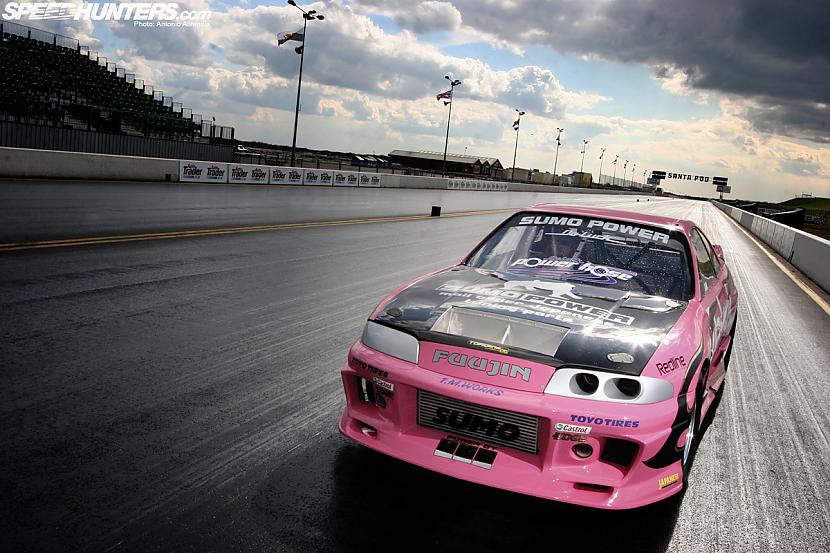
x=182, y=395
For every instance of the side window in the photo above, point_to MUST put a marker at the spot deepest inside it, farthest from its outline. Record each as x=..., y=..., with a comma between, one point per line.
x=711, y=253
x=705, y=267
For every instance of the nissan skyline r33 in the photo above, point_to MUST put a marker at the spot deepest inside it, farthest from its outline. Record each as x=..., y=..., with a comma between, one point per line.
x=571, y=356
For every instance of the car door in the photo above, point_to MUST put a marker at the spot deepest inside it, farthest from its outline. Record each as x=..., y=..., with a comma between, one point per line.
x=714, y=298
x=725, y=303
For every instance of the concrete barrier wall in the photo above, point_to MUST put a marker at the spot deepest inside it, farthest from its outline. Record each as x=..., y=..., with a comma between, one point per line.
x=810, y=254
x=50, y=164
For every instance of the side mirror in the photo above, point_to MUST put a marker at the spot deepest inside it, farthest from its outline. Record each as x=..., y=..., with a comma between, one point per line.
x=718, y=251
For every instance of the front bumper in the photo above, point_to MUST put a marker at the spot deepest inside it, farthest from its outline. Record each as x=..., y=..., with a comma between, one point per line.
x=554, y=472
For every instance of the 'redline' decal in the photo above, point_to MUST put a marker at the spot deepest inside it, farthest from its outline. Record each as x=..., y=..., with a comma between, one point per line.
x=671, y=365
x=670, y=452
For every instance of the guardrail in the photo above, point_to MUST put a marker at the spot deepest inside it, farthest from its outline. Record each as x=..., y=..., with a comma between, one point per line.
x=810, y=254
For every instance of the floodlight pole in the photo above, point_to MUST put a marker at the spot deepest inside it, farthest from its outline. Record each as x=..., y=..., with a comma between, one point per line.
x=299, y=87
x=556, y=159
x=453, y=84
x=516, y=147
x=600, y=165
x=307, y=15
x=584, y=148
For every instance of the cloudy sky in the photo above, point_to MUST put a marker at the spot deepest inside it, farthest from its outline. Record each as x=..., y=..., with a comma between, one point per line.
x=737, y=88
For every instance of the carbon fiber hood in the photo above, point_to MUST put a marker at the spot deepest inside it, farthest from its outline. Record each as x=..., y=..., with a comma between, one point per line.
x=603, y=328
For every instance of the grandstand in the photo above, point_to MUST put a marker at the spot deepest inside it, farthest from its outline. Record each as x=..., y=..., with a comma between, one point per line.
x=49, y=80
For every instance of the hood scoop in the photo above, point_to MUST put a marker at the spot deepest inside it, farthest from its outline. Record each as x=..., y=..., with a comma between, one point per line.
x=495, y=328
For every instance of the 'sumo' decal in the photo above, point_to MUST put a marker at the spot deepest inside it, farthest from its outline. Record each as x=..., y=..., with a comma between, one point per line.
x=534, y=304
x=593, y=226
x=490, y=367
x=476, y=423
x=570, y=269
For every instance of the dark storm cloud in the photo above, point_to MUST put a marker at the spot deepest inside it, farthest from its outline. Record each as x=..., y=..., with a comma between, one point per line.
x=775, y=53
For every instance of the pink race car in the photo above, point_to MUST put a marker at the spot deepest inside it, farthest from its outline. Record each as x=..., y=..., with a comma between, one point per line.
x=571, y=356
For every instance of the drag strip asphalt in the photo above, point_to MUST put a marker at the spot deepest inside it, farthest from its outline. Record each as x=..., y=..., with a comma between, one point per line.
x=183, y=395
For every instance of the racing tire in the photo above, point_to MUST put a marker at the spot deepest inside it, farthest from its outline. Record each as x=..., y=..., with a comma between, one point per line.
x=693, y=430
x=728, y=355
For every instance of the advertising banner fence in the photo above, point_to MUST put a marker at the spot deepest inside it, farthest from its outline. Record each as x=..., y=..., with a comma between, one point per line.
x=474, y=184
x=247, y=174
x=371, y=180
x=345, y=178
x=316, y=177
x=202, y=171
x=278, y=175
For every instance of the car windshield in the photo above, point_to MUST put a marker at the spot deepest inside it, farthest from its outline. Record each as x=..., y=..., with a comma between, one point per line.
x=597, y=251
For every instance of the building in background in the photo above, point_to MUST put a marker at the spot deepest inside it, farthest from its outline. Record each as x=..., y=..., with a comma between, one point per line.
x=578, y=179
x=457, y=164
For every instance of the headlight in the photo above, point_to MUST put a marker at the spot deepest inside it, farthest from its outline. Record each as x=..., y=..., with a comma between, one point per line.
x=390, y=341
x=602, y=386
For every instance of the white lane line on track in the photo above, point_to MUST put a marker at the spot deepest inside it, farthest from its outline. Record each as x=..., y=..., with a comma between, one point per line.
x=796, y=277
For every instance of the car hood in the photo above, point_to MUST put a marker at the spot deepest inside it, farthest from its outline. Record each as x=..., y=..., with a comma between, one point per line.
x=551, y=323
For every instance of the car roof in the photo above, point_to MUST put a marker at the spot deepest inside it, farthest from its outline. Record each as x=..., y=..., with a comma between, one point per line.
x=670, y=223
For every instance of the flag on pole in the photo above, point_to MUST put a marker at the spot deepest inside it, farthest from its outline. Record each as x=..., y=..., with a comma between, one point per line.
x=299, y=49
x=447, y=102
x=282, y=38
x=516, y=125
x=447, y=94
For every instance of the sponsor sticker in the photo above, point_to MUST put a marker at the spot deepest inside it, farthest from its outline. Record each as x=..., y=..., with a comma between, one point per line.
x=599, y=421
x=369, y=368
x=565, y=437
x=570, y=269
x=472, y=386
x=489, y=347
x=383, y=384
x=478, y=424
x=490, y=367
x=525, y=303
x=671, y=365
x=667, y=481
x=572, y=428
x=591, y=227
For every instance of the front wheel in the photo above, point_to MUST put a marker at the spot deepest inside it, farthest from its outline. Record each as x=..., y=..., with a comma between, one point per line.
x=728, y=355
x=693, y=429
